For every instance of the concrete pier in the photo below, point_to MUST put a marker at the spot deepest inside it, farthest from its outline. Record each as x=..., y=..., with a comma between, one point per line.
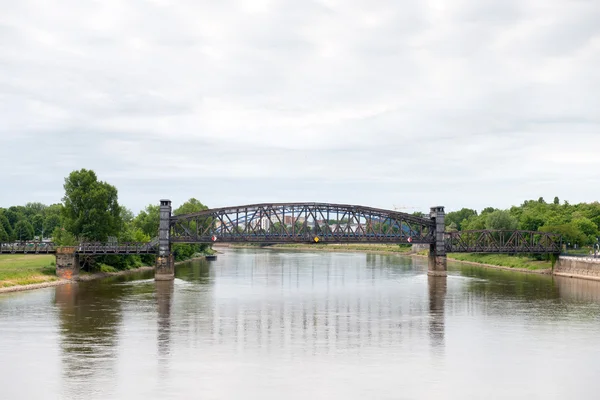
x=437, y=250
x=165, y=263
x=67, y=263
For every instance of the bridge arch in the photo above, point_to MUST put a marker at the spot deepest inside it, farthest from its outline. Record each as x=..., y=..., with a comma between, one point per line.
x=301, y=222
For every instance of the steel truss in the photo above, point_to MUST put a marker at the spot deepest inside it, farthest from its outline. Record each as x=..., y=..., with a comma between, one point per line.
x=509, y=242
x=301, y=223
x=82, y=248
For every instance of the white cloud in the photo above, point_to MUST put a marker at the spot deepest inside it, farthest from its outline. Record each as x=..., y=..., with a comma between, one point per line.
x=375, y=102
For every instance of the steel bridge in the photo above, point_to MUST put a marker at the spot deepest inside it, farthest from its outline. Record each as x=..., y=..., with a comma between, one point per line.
x=312, y=223
x=317, y=223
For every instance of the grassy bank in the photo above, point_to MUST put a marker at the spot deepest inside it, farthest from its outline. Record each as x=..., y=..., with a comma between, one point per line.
x=502, y=260
x=20, y=269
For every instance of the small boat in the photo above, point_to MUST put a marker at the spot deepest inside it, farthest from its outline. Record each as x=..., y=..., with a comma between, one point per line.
x=211, y=258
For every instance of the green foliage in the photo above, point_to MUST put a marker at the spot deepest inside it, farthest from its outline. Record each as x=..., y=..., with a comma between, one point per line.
x=23, y=230
x=3, y=235
x=51, y=222
x=147, y=220
x=459, y=217
x=63, y=238
x=106, y=268
x=37, y=221
x=91, y=210
x=5, y=224
x=578, y=223
x=503, y=260
x=500, y=220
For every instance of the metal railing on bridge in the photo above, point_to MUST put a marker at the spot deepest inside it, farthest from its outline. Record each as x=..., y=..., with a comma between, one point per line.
x=82, y=248
x=28, y=248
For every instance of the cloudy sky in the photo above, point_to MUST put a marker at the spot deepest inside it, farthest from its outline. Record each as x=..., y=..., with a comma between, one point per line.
x=373, y=102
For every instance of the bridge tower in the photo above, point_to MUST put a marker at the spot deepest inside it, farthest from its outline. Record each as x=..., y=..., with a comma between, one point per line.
x=165, y=263
x=437, y=250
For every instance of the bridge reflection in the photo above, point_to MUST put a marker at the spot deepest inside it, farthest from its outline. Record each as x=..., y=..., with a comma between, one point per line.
x=89, y=320
x=296, y=304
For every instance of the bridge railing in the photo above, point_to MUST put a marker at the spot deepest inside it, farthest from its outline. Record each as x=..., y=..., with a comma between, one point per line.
x=28, y=248
x=503, y=241
x=120, y=248
x=82, y=248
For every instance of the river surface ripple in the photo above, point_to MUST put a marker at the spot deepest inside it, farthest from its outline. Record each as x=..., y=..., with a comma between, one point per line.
x=267, y=324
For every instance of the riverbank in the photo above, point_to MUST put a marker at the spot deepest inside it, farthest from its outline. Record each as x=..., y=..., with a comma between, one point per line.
x=20, y=269
x=83, y=276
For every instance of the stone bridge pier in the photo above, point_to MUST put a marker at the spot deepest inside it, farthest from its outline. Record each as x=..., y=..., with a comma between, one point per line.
x=437, y=250
x=165, y=263
x=67, y=263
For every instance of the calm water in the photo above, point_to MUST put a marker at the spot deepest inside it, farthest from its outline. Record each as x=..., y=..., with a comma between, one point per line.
x=288, y=325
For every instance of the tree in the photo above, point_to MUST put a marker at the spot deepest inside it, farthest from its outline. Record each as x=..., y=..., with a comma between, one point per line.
x=51, y=223
x=556, y=200
x=37, y=221
x=458, y=217
x=91, y=209
x=501, y=220
x=3, y=235
x=5, y=224
x=147, y=220
x=190, y=206
x=23, y=231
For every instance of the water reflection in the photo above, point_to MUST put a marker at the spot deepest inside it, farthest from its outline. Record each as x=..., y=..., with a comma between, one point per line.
x=89, y=319
x=164, y=295
x=578, y=290
x=256, y=323
x=437, y=298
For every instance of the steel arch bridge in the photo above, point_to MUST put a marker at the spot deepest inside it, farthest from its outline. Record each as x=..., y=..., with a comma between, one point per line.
x=301, y=223
x=273, y=223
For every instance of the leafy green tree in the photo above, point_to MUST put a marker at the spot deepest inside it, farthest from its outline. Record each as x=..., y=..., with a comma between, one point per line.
x=458, y=217
x=530, y=221
x=148, y=219
x=12, y=216
x=501, y=220
x=570, y=233
x=3, y=235
x=63, y=238
x=186, y=251
x=556, y=201
x=32, y=209
x=588, y=228
x=474, y=223
x=6, y=226
x=91, y=209
x=37, y=221
x=23, y=230
x=51, y=222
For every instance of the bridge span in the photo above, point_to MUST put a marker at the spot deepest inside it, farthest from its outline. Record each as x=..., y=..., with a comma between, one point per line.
x=271, y=223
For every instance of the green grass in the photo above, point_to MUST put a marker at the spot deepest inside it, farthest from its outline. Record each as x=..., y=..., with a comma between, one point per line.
x=503, y=260
x=21, y=269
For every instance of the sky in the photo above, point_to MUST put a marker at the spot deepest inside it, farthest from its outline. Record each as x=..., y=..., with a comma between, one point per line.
x=384, y=103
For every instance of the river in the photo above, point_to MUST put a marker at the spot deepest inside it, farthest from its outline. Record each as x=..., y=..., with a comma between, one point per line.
x=267, y=324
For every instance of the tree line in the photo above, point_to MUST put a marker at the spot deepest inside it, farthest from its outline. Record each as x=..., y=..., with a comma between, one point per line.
x=579, y=224
x=90, y=212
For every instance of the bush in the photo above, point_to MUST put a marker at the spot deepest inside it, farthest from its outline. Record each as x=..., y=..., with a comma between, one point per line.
x=106, y=268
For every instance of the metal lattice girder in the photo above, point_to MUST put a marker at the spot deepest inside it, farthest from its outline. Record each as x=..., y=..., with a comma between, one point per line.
x=509, y=242
x=301, y=222
x=82, y=248
x=27, y=248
